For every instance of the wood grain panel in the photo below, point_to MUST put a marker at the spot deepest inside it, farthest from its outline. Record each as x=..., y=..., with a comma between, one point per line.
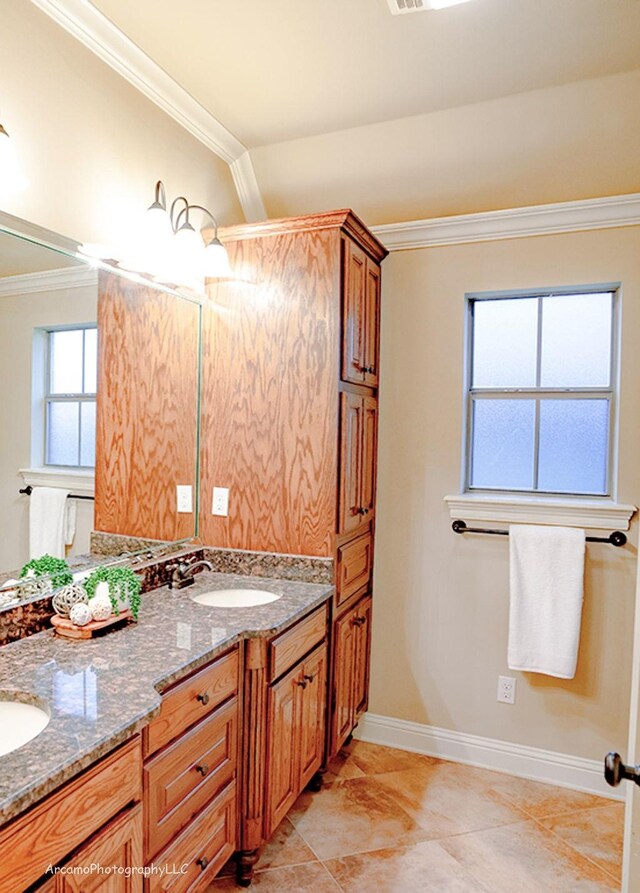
x=283, y=750
x=293, y=644
x=313, y=714
x=255, y=743
x=362, y=656
x=369, y=454
x=355, y=560
x=191, y=700
x=371, y=323
x=351, y=438
x=147, y=409
x=118, y=846
x=270, y=371
x=343, y=714
x=354, y=334
x=58, y=824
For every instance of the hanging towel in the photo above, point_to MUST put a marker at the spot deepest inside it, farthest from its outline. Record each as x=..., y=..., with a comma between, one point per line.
x=52, y=522
x=545, y=608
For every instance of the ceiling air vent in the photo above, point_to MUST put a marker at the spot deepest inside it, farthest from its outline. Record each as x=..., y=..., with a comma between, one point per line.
x=399, y=7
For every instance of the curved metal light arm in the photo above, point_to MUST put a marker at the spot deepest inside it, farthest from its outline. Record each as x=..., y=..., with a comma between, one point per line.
x=176, y=224
x=210, y=215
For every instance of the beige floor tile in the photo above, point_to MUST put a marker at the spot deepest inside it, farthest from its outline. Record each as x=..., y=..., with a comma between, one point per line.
x=525, y=858
x=311, y=878
x=340, y=768
x=595, y=833
x=286, y=847
x=352, y=817
x=422, y=867
x=446, y=798
x=541, y=800
x=373, y=759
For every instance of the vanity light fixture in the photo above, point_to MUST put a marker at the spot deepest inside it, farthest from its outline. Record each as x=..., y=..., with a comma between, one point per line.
x=170, y=248
x=12, y=177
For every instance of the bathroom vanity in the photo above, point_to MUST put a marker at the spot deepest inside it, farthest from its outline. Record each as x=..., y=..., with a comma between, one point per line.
x=172, y=743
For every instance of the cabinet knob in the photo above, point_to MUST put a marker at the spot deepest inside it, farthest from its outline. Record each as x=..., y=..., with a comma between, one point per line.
x=202, y=769
x=358, y=621
x=203, y=862
x=302, y=682
x=203, y=698
x=361, y=510
x=308, y=678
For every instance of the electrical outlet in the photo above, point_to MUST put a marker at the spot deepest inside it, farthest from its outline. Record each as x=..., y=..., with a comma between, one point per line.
x=184, y=499
x=506, y=689
x=220, y=501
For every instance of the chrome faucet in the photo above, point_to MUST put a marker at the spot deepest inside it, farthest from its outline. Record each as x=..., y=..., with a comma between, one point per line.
x=182, y=573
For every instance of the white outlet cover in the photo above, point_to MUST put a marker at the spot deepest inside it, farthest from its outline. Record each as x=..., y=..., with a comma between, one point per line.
x=506, y=689
x=220, y=504
x=184, y=498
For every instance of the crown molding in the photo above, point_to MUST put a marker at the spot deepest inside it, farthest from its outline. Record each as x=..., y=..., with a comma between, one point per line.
x=48, y=280
x=93, y=29
x=514, y=223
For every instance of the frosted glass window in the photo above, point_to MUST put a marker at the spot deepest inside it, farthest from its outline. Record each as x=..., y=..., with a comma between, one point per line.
x=88, y=434
x=574, y=438
x=504, y=343
x=70, y=399
x=64, y=431
x=66, y=353
x=526, y=430
x=503, y=444
x=576, y=341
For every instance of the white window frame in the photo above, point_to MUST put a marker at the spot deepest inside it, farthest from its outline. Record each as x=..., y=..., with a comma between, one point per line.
x=610, y=393
x=49, y=398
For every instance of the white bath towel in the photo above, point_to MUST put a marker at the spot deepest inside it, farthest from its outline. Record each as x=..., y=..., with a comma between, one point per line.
x=545, y=608
x=52, y=522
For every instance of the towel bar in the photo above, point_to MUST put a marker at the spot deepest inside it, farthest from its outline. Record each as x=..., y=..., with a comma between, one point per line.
x=617, y=538
x=29, y=490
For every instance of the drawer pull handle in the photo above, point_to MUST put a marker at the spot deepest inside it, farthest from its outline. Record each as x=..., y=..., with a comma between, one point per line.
x=301, y=682
x=358, y=621
x=202, y=769
x=308, y=678
x=203, y=698
x=202, y=862
x=362, y=511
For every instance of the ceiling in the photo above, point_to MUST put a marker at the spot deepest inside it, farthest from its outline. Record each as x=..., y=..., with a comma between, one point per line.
x=276, y=70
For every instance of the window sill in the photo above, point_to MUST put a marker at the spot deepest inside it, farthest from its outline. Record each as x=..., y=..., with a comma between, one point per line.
x=78, y=483
x=595, y=515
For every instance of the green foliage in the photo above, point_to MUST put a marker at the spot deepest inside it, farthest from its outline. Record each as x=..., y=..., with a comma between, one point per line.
x=120, y=579
x=47, y=565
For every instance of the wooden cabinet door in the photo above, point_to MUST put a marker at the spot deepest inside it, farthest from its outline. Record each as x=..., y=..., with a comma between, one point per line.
x=351, y=437
x=312, y=715
x=353, y=312
x=282, y=770
x=361, y=657
x=118, y=845
x=371, y=323
x=343, y=713
x=369, y=453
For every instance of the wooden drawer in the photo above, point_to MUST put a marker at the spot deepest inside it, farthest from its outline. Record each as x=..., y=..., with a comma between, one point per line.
x=355, y=560
x=203, y=847
x=290, y=646
x=191, y=699
x=65, y=819
x=186, y=775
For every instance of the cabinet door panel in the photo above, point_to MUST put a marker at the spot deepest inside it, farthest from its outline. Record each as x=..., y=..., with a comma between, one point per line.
x=369, y=452
x=362, y=651
x=353, y=313
x=313, y=713
x=282, y=752
x=371, y=317
x=351, y=435
x=120, y=845
x=343, y=714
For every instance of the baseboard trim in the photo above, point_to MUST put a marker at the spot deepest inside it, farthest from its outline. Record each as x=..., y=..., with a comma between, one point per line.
x=488, y=753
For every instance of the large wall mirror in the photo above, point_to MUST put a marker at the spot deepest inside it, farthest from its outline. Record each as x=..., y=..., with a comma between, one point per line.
x=99, y=377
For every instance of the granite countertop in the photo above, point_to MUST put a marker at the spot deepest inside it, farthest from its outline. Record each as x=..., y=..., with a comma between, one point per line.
x=101, y=691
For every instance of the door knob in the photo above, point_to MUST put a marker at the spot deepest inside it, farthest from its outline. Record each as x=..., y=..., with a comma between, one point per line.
x=615, y=770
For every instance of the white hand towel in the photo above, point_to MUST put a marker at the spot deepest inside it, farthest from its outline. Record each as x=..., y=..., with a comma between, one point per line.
x=48, y=522
x=545, y=608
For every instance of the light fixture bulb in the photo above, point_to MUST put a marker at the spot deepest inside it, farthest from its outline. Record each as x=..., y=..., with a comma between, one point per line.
x=216, y=260
x=12, y=177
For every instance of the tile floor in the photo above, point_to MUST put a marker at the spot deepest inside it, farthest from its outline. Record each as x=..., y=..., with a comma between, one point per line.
x=387, y=821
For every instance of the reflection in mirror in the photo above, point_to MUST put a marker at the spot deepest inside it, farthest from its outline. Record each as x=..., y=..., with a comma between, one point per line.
x=99, y=397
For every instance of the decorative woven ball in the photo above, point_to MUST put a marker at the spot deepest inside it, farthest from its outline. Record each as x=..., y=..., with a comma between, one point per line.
x=31, y=586
x=70, y=595
x=80, y=614
x=100, y=607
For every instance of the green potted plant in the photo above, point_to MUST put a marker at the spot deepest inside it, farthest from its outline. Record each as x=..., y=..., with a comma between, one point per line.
x=56, y=569
x=124, y=587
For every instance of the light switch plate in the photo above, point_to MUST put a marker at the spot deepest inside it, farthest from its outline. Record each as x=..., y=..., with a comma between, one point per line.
x=220, y=501
x=184, y=497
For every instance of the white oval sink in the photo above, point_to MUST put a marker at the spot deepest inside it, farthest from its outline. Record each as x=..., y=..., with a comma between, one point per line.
x=235, y=598
x=20, y=723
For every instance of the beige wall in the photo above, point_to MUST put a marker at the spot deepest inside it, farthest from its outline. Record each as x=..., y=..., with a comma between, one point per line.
x=19, y=315
x=577, y=141
x=441, y=600
x=91, y=144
